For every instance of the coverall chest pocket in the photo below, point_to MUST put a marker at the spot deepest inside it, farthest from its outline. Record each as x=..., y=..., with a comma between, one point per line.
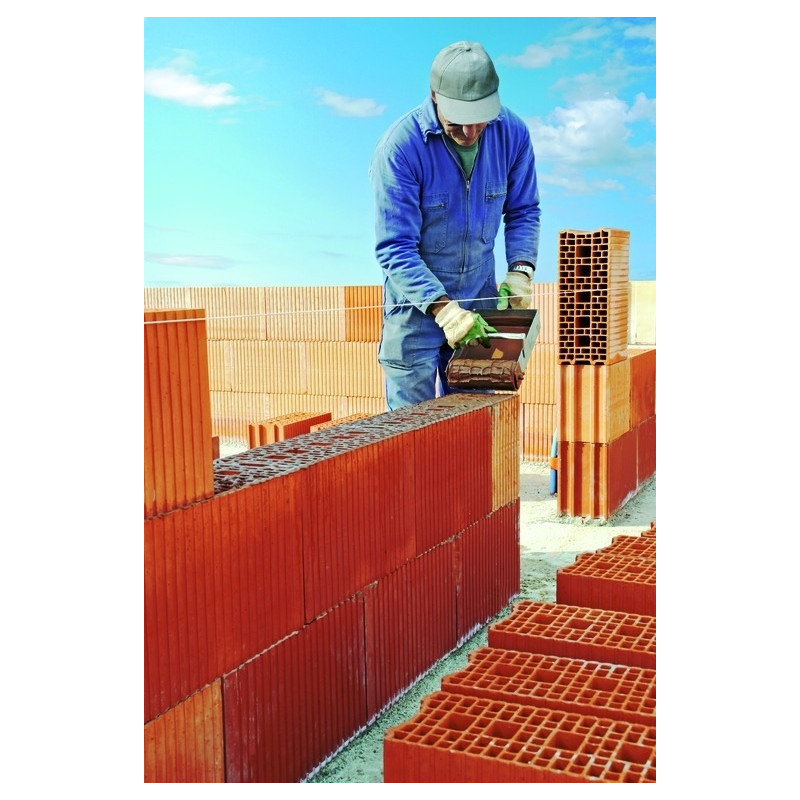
x=493, y=201
x=433, y=236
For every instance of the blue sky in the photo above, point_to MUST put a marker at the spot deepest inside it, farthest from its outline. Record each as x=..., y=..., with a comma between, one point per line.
x=258, y=133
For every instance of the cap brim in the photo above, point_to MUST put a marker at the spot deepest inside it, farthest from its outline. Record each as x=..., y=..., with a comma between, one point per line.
x=469, y=112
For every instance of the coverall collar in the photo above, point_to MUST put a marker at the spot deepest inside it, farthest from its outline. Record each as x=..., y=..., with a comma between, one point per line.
x=428, y=120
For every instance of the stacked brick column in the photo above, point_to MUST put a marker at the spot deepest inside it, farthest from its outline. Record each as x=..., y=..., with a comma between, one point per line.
x=606, y=449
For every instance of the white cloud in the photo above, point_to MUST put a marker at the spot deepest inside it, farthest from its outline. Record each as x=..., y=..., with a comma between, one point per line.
x=593, y=135
x=578, y=184
x=613, y=76
x=202, y=262
x=647, y=31
x=587, y=133
x=643, y=109
x=349, y=106
x=535, y=56
x=169, y=83
x=587, y=33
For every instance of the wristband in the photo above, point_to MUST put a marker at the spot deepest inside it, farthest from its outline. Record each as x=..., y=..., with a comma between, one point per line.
x=523, y=268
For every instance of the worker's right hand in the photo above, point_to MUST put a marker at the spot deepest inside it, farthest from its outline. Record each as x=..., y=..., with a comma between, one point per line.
x=462, y=327
x=456, y=322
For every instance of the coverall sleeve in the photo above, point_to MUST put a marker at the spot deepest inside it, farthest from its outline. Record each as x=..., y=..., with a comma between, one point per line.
x=522, y=212
x=398, y=222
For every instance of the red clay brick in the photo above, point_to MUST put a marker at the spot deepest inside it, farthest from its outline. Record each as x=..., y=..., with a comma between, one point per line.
x=185, y=745
x=595, y=404
x=593, y=634
x=593, y=296
x=319, y=426
x=289, y=708
x=567, y=684
x=403, y=637
x=640, y=546
x=178, y=467
x=488, y=565
x=217, y=590
x=462, y=739
x=363, y=313
x=645, y=450
x=599, y=580
x=643, y=385
x=596, y=480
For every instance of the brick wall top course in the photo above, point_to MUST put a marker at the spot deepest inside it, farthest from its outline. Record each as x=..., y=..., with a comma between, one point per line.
x=281, y=458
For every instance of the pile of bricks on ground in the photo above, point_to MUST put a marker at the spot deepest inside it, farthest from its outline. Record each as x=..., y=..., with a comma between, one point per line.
x=564, y=692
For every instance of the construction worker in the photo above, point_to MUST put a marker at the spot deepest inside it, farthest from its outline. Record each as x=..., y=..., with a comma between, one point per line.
x=444, y=176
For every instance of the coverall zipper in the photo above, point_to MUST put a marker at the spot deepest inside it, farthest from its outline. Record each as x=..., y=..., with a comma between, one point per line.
x=467, y=181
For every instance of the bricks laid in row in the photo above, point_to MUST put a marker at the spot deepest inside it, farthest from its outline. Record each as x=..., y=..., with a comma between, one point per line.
x=312, y=591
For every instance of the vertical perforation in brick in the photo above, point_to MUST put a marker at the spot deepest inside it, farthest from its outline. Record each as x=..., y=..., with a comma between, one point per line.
x=457, y=738
x=593, y=296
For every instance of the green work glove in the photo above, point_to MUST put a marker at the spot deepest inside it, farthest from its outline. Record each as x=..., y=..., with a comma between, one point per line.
x=462, y=327
x=478, y=333
x=515, y=289
x=505, y=291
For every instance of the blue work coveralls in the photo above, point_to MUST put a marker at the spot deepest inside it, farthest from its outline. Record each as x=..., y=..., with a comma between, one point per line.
x=435, y=232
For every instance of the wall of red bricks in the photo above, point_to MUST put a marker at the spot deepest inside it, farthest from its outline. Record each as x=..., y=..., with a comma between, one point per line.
x=322, y=576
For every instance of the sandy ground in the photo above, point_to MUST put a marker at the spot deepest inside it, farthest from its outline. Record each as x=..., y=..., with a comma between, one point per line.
x=547, y=542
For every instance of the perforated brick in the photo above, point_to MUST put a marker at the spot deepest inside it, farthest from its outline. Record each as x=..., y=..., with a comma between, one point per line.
x=461, y=739
x=595, y=634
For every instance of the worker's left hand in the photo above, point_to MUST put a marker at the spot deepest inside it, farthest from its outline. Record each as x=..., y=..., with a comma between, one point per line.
x=516, y=290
